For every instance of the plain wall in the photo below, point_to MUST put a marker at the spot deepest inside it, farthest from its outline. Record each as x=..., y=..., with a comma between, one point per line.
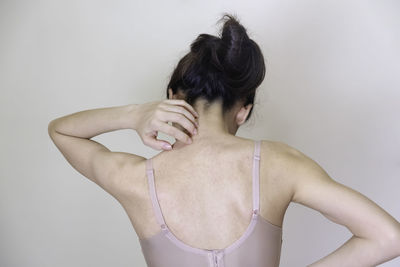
x=331, y=91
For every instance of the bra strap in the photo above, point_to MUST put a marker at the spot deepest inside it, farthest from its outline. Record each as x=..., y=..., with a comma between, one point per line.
x=153, y=194
x=256, y=177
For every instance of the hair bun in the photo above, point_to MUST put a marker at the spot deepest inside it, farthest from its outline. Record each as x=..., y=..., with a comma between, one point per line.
x=204, y=40
x=205, y=48
x=233, y=33
x=235, y=41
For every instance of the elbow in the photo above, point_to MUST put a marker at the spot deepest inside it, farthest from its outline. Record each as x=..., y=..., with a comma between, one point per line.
x=50, y=128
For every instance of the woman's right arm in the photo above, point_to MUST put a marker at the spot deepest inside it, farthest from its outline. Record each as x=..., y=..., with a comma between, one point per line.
x=376, y=234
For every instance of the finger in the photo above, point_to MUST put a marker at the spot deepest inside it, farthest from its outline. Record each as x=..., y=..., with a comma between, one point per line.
x=184, y=111
x=174, y=132
x=158, y=144
x=179, y=114
x=182, y=120
x=185, y=104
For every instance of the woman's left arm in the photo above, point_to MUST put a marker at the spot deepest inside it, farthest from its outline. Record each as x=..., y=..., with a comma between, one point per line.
x=72, y=136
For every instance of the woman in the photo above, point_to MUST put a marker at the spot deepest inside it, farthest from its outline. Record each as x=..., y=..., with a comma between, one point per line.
x=212, y=198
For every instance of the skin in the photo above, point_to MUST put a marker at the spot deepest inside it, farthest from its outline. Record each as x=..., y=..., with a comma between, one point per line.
x=286, y=175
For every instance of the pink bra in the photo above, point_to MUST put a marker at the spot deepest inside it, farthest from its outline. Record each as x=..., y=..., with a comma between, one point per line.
x=259, y=246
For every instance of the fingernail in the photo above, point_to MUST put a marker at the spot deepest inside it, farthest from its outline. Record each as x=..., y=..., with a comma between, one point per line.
x=167, y=146
x=195, y=131
x=190, y=141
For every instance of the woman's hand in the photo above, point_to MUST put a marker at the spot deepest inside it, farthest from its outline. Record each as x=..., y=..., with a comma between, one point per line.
x=154, y=117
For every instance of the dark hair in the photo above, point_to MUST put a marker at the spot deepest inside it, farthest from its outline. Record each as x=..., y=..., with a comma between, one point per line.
x=227, y=68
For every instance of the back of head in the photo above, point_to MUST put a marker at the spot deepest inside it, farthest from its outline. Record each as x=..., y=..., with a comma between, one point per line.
x=228, y=67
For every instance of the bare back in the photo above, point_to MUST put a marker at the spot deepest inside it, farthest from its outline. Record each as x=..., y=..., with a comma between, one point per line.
x=205, y=191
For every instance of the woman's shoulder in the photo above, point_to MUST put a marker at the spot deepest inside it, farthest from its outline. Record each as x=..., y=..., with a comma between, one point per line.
x=277, y=146
x=272, y=150
x=279, y=162
x=280, y=151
